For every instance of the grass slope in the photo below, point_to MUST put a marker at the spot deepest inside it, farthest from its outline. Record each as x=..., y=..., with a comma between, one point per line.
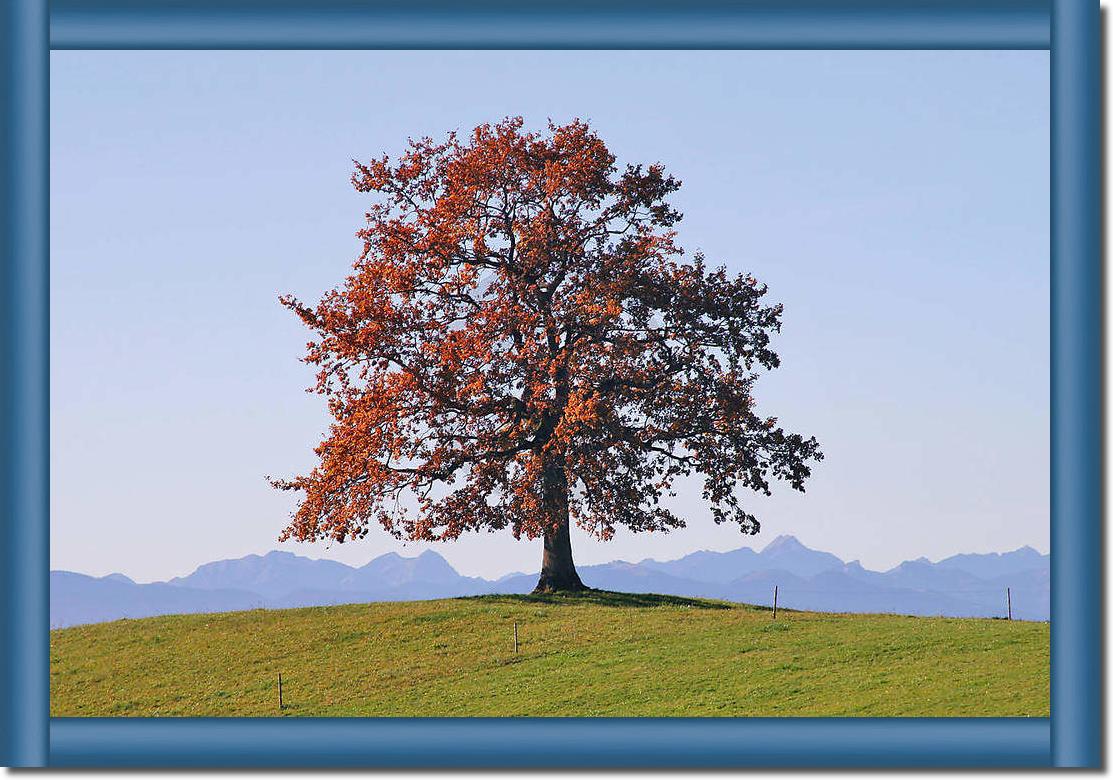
x=601, y=654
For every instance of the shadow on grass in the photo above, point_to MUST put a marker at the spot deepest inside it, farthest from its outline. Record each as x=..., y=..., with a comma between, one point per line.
x=601, y=598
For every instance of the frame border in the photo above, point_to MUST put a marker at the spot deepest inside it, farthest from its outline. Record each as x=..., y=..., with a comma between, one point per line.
x=1069, y=28
x=24, y=384
x=1076, y=385
x=551, y=742
x=550, y=24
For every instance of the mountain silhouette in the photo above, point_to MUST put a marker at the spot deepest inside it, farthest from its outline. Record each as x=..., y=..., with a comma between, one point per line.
x=967, y=585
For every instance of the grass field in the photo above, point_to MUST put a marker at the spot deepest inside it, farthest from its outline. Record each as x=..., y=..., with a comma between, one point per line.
x=603, y=654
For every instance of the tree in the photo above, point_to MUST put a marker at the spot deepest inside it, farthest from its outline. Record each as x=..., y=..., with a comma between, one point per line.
x=522, y=344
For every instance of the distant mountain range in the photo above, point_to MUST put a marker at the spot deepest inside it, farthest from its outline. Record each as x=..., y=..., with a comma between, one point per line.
x=971, y=585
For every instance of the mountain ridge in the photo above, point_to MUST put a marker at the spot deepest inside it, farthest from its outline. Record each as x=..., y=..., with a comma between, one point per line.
x=963, y=585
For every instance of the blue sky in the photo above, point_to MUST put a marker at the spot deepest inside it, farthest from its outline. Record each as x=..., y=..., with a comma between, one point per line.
x=897, y=203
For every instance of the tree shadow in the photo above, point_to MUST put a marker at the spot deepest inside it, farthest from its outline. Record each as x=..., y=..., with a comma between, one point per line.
x=602, y=598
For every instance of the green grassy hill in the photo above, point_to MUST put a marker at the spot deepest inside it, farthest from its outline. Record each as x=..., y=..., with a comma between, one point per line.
x=602, y=654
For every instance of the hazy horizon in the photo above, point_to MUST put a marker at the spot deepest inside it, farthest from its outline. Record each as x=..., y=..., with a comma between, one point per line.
x=897, y=203
x=441, y=550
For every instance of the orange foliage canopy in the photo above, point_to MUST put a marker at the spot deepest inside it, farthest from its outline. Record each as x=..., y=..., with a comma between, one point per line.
x=522, y=343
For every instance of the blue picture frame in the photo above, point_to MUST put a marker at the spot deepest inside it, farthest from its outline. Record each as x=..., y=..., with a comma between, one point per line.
x=1071, y=737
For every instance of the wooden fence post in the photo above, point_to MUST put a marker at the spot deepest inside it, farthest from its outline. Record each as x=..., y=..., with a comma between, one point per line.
x=774, y=602
x=515, y=639
x=1009, y=599
x=280, y=690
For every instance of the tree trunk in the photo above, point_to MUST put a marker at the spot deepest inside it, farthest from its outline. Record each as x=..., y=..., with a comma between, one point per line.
x=558, y=572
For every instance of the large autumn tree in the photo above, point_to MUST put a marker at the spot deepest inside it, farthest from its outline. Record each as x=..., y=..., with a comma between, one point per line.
x=522, y=344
